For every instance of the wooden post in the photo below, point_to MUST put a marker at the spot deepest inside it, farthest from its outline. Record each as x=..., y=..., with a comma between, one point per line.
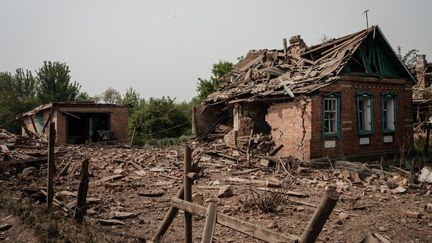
x=81, y=208
x=187, y=183
x=209, y=223
x=133, y=135
x=51, y=165
x=169, y=217
x=320, y=216
x=426, y=145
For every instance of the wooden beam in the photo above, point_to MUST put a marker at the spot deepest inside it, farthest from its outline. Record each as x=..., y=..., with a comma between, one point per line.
x=70, y=114
x=81, y=208
x=169, y=217
x=209, y=223
x=320, y=216
x=51, y=165
x=187, y=193
x=33, y=124
x=234, y=223
x=48, y=121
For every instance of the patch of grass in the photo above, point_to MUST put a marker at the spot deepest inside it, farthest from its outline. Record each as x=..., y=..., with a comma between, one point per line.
x=47, y=225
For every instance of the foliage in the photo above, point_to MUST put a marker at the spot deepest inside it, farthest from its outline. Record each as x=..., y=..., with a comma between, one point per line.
x=208, y=86
x=17, y=95
x=54, y=83
x=131, y=98
x=159, y=118
x=110, y=96
x=408, y=58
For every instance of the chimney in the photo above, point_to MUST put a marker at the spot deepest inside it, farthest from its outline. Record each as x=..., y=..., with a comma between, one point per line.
x=297, y=45
x=420, y=69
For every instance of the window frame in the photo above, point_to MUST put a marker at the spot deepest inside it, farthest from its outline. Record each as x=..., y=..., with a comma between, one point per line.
x=358, y=97
x=391, y=96
x=336, y=133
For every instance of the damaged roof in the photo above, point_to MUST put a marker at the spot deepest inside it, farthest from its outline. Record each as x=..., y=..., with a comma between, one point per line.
x=300, y=69
x=69, y=104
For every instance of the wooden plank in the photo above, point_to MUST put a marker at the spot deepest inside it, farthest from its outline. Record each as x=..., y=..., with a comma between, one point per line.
x=48, y=121
x=51, y=166
x=108, y=178
x=169, y=217
x=286, y=192
x=209, y=223
x=80, y=209
x=33, y=124
x=320, y=216
x=70, y=114
x=187, y=182
x=236, y=224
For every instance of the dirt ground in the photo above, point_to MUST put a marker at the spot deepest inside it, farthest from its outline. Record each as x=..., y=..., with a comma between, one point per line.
x=368, y=205
x=19, y=232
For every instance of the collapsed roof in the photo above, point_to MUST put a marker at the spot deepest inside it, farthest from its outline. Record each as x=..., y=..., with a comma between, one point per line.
x=300, y=69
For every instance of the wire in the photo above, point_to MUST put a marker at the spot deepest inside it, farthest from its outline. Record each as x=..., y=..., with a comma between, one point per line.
x=172, y=127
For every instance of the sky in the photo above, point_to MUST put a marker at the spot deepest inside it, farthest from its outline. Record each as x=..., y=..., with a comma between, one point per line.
x=160, y=48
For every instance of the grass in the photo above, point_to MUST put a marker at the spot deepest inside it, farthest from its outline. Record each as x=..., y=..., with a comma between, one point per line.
x=48, y=226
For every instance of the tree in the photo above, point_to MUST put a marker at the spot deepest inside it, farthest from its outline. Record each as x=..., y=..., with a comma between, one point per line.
x=54, y=83
x=131, y=98
x=408, y=58
x=160, y=118
x=111, y=96
x=17, y=95
x=208, y=86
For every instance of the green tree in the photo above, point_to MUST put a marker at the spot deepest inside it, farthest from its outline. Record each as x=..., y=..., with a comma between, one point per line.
x=159, y=118
x=111, y=96
x=208, y=86
x=408, y=58
x=131, y=98
x=17, y=95
x=54, y=83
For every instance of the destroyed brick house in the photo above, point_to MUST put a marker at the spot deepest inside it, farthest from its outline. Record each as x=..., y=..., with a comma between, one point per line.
x=77, y=123
x=349, y=97
x=422, y=91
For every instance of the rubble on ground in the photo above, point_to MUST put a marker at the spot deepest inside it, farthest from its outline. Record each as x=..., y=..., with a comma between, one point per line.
x=130, y=189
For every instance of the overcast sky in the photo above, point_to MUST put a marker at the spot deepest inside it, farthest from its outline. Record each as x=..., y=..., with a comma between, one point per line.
x=160, y=48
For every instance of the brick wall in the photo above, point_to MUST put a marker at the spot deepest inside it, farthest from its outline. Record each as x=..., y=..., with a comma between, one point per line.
x=348, y=143
x=290, y=124
x=300, y=130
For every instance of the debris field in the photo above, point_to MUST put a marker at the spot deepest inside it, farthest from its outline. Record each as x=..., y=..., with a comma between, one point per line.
x=131, y=188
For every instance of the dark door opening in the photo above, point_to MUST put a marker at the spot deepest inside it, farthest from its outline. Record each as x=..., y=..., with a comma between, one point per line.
x=91, y=127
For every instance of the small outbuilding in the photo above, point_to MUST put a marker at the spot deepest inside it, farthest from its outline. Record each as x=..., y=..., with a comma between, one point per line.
x=78, y=122
x=347, y=97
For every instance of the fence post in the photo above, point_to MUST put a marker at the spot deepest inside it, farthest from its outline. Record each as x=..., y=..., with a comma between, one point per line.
x=51, y=165
x=81, y=207
x=320, y=216
x=187, y=193
x=209, y=223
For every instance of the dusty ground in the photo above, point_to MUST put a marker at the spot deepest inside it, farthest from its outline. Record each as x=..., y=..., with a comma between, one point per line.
x=19, y=232
x=368, y=209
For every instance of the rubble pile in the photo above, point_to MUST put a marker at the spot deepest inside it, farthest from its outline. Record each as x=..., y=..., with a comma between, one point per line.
x=295, y=69
x=130, y=190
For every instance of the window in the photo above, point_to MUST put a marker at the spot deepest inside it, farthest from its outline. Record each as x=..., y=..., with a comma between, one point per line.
x=331, y=109
x=364, y=113
x=388, y=113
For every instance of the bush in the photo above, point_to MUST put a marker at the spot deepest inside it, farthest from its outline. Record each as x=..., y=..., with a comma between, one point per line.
x=160, y=118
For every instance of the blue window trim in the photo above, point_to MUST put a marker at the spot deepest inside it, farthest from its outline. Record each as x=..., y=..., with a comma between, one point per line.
x=338, y=115
x=383, y=97
x=358, y=96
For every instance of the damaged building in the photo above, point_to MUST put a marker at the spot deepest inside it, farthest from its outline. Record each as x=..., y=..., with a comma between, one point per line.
x=347, y=97
x=77, y=123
